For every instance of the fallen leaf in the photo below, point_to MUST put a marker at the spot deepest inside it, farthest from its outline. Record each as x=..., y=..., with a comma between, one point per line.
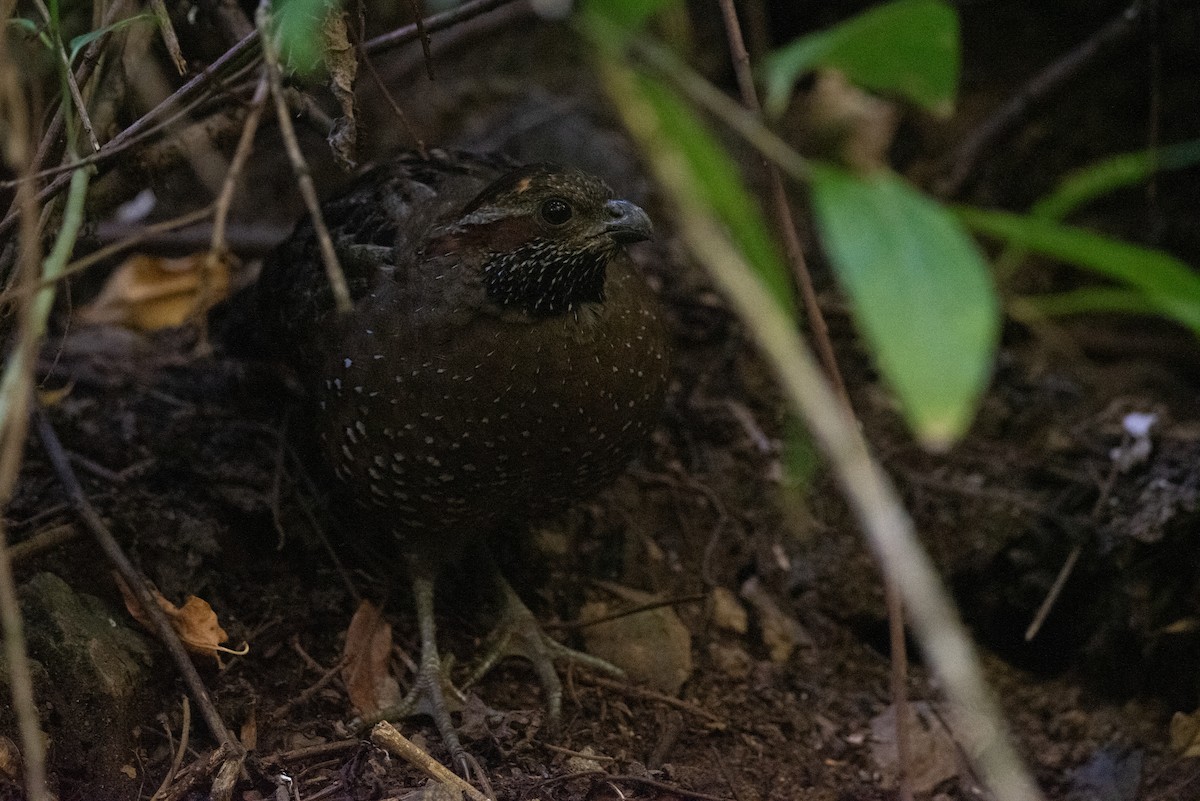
x=150, y=292
x=934, y=752
x=48, y=398
x=248, y=735
x=11, y=764
x=850, y=124
x=341, y=60
x=195, y=622
x=366, y=653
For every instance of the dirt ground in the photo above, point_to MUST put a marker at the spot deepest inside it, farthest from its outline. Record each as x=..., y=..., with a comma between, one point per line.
x=190, y=459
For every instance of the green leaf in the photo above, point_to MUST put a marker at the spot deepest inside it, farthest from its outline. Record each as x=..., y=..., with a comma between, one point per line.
x=84, y=39
x=298, y=23
x=628, y=14
x=1102, y=177
x=1169, y=285
x=1088, y=300
x=720, y=183
x=921, y=294
x=910, y=47
x=25, y=25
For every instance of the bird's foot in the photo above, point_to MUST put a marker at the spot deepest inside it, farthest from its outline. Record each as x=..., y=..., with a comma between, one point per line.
x=428, y=693
x=519, y=634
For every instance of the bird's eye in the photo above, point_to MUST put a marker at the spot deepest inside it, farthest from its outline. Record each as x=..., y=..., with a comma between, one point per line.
x=556, y=211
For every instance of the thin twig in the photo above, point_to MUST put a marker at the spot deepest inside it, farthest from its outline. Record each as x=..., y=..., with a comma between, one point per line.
x=782, y=209
x=423, y=35
x=385, y=736
x=184, y=735
x=108, y=251
x=366, y=59
x=558, y=749
x=899, y=686
x=317, y=529
x=147, y=123
x=113, y=148
x=87, y=65
x=871, y=495
x=669, y=789
x=432, y=24
x=321, y=683
x=69, y=76
x=42, y=541
x=1068, y=566
x=737, y=117
x=167, y=31
x=333, y=269
x=654, y=695
x=245, y=146
x=964, y=158
x=13, y=428
x=57, y=457
x=650, y=606
x=308, y=753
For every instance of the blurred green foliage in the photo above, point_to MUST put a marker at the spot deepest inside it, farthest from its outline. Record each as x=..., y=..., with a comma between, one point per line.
x=921, y=292
x=908, y=47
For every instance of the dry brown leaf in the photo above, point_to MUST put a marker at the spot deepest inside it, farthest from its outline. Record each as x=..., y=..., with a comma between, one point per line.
x=195, y=622
x=850, y=124
x=52, y=397
x=11, y=764
x=248, y=735
x=151, y=292
x=365, y=656
x=341, y=60
x=934, y=754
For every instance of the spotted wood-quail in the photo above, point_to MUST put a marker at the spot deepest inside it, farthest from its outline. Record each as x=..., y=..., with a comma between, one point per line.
x=502, y=362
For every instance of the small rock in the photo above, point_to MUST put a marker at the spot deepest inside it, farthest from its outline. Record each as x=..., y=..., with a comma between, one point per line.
x=582, y=764
x=653, y=647
x=781, y=633
x=728, y=612
x=93, y=672
x=730, y=660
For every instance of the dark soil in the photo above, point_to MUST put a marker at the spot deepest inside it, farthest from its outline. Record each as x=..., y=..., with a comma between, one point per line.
x=194, y=460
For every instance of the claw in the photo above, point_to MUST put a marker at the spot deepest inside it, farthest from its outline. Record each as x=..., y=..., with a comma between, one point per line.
x=428, y=696
x=519, y=634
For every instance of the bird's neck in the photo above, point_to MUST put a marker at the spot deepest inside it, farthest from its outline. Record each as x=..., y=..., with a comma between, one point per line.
x=524, y=270
x=544, y=281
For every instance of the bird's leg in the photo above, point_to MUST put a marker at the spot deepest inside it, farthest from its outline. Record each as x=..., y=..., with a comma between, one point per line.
x=518, y=634
x=427, y=696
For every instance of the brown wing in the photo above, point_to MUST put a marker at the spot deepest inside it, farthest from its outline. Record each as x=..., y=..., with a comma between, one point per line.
x=377, y=226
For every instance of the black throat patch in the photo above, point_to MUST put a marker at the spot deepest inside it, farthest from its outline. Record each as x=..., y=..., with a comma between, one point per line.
x=544, y=280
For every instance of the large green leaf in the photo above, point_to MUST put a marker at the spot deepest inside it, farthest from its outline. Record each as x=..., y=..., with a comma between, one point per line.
x=1112, y=173
x=1087, y=299
x=298, y=23
x=722, y=187
x=921, y=294
x=910, y=47
x=85, y=39
x=1170, y=286
x=627, y=14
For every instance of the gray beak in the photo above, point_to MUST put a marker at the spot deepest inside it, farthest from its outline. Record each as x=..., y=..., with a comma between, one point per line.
x=627, y=222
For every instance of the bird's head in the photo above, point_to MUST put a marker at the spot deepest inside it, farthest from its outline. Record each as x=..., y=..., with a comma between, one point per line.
x=542, y=236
